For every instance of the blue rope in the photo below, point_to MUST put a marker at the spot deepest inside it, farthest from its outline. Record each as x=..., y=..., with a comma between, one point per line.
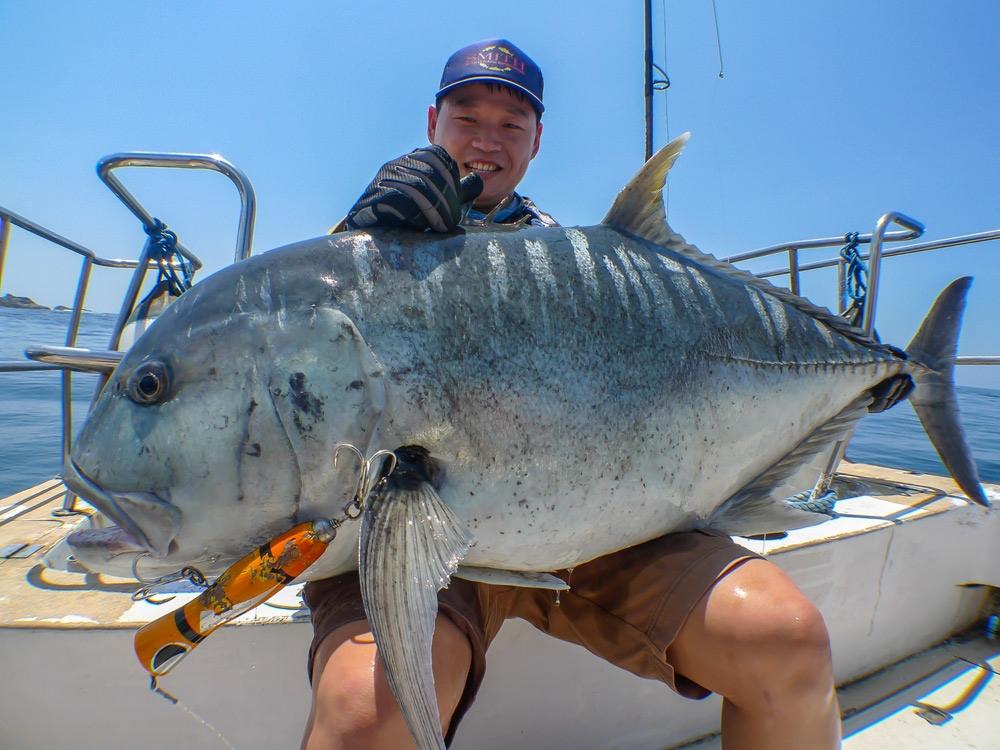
x=165, y=253
x=805, y=501
x=855, y=278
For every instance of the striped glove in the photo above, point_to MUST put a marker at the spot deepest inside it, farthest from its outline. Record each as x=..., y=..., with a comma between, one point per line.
x=420, y=190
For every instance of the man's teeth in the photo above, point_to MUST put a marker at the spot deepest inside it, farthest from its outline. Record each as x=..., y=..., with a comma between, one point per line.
x=482, y=166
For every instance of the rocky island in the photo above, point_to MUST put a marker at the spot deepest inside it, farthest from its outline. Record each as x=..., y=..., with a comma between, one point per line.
x=23, y=303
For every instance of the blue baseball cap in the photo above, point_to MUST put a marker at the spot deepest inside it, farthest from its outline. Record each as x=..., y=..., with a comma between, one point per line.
x=494, y=61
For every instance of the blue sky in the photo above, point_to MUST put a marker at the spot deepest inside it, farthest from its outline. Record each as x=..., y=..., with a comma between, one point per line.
x=829, y=115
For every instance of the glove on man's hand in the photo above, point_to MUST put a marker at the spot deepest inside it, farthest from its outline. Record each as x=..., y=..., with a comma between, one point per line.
x=420, y=190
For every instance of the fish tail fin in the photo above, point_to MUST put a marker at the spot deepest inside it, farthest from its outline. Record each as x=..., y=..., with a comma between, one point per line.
x=933, y=348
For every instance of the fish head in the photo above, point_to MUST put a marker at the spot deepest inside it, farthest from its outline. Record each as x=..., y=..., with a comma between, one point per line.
x=217, y=432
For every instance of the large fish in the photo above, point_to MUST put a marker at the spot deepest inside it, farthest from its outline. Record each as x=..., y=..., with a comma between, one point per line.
x=563, y=393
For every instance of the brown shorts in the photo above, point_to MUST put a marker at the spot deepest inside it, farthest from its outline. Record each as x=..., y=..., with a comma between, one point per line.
x=626, y=607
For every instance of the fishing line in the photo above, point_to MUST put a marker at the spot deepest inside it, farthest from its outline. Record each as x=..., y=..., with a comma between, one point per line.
x=175, y=701
x=718, y=38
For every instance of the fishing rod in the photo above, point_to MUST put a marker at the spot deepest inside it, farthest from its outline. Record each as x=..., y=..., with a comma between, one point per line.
x=648, y=74
x=651, y=84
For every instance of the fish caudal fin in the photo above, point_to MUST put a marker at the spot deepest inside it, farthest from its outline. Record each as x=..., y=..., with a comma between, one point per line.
x=933, y=348
x=411, y=544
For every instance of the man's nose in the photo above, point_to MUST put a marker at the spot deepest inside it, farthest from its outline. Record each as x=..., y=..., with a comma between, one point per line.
x=486, y=141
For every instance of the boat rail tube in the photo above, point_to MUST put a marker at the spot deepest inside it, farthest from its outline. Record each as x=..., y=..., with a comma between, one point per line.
x=70, y=357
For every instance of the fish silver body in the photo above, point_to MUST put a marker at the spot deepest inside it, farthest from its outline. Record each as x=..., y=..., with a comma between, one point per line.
x=585, y=389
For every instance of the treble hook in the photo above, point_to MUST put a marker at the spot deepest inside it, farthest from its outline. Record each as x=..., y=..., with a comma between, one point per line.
x=497, y=209
x=488, y=219
x=364, y=486
x=147, y=592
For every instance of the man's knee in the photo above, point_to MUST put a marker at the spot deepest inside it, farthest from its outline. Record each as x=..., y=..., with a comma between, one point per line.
x=353, y=705
x=781, y=646
x=753, y=637
x=791, y=648
x=344, y=706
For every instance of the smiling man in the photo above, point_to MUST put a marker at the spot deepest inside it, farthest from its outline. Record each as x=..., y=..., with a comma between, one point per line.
x=486, y=120
x=693, y=609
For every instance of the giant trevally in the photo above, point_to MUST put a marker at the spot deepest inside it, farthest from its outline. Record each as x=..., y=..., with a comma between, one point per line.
x=562, y=393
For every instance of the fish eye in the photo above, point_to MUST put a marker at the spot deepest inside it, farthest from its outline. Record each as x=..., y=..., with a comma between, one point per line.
x=148, y=384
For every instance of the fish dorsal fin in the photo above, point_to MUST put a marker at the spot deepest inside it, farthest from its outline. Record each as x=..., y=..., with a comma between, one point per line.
x=639, y=210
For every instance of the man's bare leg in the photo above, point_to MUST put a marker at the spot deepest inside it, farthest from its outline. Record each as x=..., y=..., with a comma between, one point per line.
x=756, y=640
x=352, y=704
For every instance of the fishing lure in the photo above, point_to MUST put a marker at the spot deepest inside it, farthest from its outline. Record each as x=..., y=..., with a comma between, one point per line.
x=252, y=580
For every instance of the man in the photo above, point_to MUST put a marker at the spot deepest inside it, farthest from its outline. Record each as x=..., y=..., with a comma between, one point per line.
x=693, y=610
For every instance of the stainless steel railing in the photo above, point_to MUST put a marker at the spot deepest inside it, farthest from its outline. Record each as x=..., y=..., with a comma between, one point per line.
x=795, y=269
x=90, y=259
x=69, y=357
x=881, y=235
x=214, y=162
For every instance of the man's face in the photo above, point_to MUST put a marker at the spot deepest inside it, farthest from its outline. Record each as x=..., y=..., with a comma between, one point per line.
x=491, y=132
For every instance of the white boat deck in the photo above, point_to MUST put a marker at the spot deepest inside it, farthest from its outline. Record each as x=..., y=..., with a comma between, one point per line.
x=945, y=698
x=908, y=564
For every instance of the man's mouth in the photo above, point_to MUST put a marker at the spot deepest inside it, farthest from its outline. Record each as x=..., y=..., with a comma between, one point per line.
x=482, y=166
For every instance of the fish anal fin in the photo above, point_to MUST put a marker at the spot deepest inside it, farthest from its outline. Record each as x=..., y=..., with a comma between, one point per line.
x=755, y=510
x=410, y=545
x=520, y=578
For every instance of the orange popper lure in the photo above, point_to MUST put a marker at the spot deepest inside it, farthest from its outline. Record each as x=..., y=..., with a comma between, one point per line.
x=252, y=580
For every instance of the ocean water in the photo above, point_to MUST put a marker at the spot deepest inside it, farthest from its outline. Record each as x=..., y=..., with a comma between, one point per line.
x=30, y=426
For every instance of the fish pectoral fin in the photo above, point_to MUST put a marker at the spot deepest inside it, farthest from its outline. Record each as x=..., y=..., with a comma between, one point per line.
x=411, y=544
x=521, y=578
x=756, y=510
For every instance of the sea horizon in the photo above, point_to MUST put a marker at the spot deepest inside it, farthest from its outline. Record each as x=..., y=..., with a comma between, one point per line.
x=30, y=410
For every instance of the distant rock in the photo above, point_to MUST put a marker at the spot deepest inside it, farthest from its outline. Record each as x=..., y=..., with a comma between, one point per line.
x=23, y=303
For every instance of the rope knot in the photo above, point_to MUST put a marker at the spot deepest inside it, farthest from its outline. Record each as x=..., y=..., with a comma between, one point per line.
x=167, y=256
x=855, y=279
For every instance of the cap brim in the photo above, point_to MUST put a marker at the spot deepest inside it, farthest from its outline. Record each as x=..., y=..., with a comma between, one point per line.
x=535, y=101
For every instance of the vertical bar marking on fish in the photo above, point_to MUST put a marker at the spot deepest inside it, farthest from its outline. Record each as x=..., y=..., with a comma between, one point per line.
x=584, y=261
x=706, y=291
x=633, y=277
x=362, y=263
x=498, y=278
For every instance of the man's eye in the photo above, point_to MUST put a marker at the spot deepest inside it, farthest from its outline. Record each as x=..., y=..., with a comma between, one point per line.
x=513, y=126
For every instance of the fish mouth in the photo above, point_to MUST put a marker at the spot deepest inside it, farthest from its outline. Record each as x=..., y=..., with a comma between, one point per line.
x=154, y=536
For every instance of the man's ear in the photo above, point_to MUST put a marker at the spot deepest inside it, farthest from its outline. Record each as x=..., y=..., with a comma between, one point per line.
x=538, y=140
x=432, y=122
